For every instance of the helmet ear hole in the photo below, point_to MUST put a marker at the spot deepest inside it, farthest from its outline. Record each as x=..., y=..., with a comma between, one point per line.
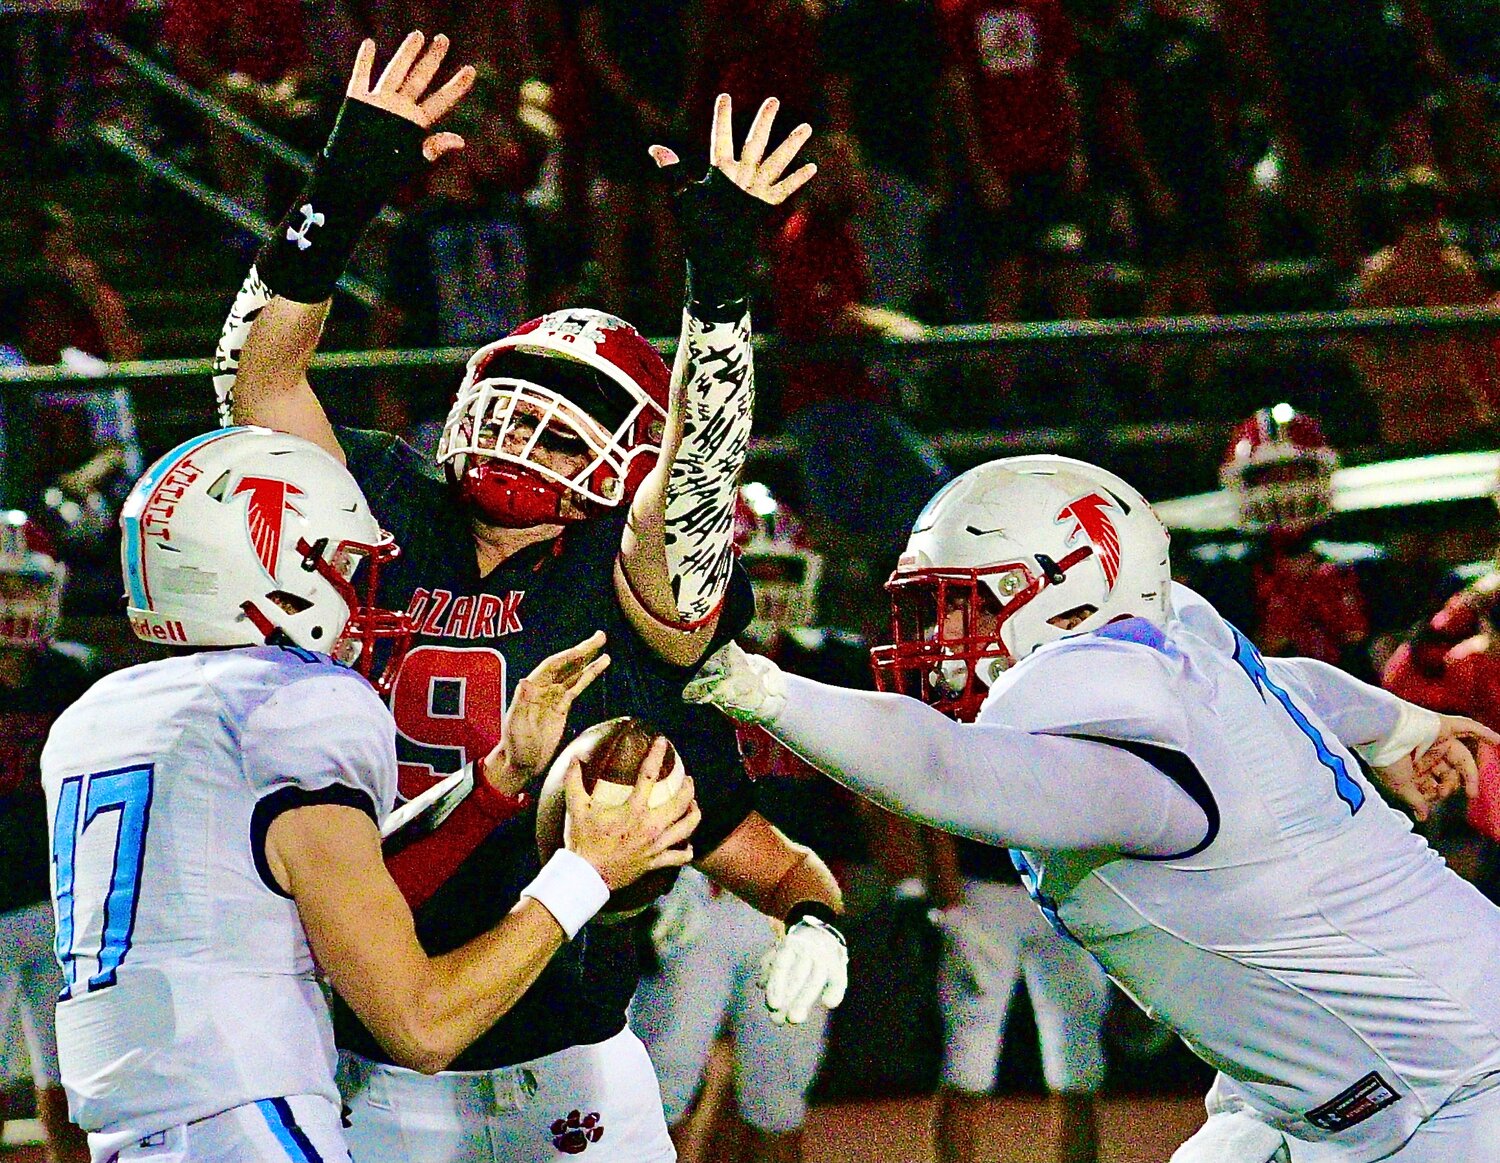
x=1070, y=618
x=291, y=603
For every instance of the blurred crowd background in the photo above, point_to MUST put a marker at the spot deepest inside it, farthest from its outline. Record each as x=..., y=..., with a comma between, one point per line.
x=980, y=162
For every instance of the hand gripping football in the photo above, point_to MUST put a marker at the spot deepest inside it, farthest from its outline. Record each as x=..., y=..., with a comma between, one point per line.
x=611, y=754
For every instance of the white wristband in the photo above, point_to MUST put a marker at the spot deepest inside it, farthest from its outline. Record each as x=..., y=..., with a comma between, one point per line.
x=1416, y=729
x=570, y=888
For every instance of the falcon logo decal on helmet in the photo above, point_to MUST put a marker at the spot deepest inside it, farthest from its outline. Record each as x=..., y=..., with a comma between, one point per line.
x=199, y=570
x=265, y=514
x=1093, y=522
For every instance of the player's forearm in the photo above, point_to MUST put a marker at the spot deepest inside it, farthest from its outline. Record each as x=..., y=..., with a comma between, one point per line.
x=995, y=784
x=469, y=990
x=427, y=839
x=277, y=318
x=465, y=992
x=684, y=518
x=679, y=553
x=807, y=882
x=759, y=864
x=1375, y=722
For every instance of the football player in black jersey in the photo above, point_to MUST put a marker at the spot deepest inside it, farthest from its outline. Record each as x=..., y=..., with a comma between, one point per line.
x=39, y=678
x=582, y=487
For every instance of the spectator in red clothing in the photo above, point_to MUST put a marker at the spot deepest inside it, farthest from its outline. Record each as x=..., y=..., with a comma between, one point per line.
x=252, y=54
x=636, y=56
x=755, y=51
x=1452, y=665
x=1014, y=110
x=865, y=472
x=1434, y=389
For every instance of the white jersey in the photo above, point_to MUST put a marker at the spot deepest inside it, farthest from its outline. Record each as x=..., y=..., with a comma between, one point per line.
x=191, y=988
x=1311, y=947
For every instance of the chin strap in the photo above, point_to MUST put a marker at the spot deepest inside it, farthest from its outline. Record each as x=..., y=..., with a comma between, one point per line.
x=718, y=397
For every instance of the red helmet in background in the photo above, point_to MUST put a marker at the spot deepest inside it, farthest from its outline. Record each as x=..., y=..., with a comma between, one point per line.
x=31, y=583
x=784, y=569
x=577, y=381
x=1280, y=468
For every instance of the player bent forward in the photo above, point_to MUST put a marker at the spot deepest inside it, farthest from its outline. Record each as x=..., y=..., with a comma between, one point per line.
x=1191, y=813
x=215, y=823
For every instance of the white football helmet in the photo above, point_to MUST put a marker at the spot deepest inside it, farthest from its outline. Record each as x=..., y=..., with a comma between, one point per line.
x=579, y=380
x=31, y=583
x=1046, y=544
x=247, y=537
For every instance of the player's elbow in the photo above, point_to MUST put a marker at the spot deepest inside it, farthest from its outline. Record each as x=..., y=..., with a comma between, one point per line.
x=416, y=1037
x=419, y=1045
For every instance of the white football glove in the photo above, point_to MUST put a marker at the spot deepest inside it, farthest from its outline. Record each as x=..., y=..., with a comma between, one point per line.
x=681, y=915
x=747, y=687
x=809, y=964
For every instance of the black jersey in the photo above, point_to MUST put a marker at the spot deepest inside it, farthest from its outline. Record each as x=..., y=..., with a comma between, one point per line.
x=476, y=638
x=55, y=678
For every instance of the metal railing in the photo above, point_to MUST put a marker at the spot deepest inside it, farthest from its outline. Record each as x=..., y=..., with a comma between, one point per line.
x=216, y=109
x=207, y=104
x=123, y=142
x=126, y=144
x=955, y=338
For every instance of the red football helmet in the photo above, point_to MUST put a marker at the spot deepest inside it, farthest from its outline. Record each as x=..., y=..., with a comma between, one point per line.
x=1280, y=468
x=784, y=569
x=576, y=381
x=31, y=583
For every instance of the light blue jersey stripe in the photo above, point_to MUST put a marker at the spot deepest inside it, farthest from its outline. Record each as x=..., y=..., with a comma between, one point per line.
x=273, y=1119
x=130, y=519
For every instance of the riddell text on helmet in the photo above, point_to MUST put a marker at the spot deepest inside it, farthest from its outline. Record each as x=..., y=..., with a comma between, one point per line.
x=162, y=630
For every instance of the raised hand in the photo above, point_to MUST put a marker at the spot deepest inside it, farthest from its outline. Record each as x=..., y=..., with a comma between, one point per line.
x=754, y=171
x=538, y=713
x=402, y=87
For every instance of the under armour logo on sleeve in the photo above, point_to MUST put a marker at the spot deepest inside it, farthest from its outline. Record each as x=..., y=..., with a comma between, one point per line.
x=310, y=218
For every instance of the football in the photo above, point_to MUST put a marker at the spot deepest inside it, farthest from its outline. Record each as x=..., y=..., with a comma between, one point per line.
x=611, y=754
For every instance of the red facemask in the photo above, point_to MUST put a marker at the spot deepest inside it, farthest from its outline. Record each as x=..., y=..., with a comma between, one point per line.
x=510, y=496
x=369, y=625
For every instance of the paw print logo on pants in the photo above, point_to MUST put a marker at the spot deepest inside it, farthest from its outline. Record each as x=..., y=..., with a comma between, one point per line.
x=573, y=1134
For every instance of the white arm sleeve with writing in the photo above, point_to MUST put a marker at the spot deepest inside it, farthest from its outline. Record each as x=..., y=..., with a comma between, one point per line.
x=992, y=783
x=1374, y=722
x=716, y=371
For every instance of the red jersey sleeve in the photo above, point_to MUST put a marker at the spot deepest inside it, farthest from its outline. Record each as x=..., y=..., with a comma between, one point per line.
x=421, y=866
x=816, y=281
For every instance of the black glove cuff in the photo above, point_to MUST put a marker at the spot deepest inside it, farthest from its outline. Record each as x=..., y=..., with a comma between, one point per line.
x=720, y=225
x=817, y=910
x=369, y=154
